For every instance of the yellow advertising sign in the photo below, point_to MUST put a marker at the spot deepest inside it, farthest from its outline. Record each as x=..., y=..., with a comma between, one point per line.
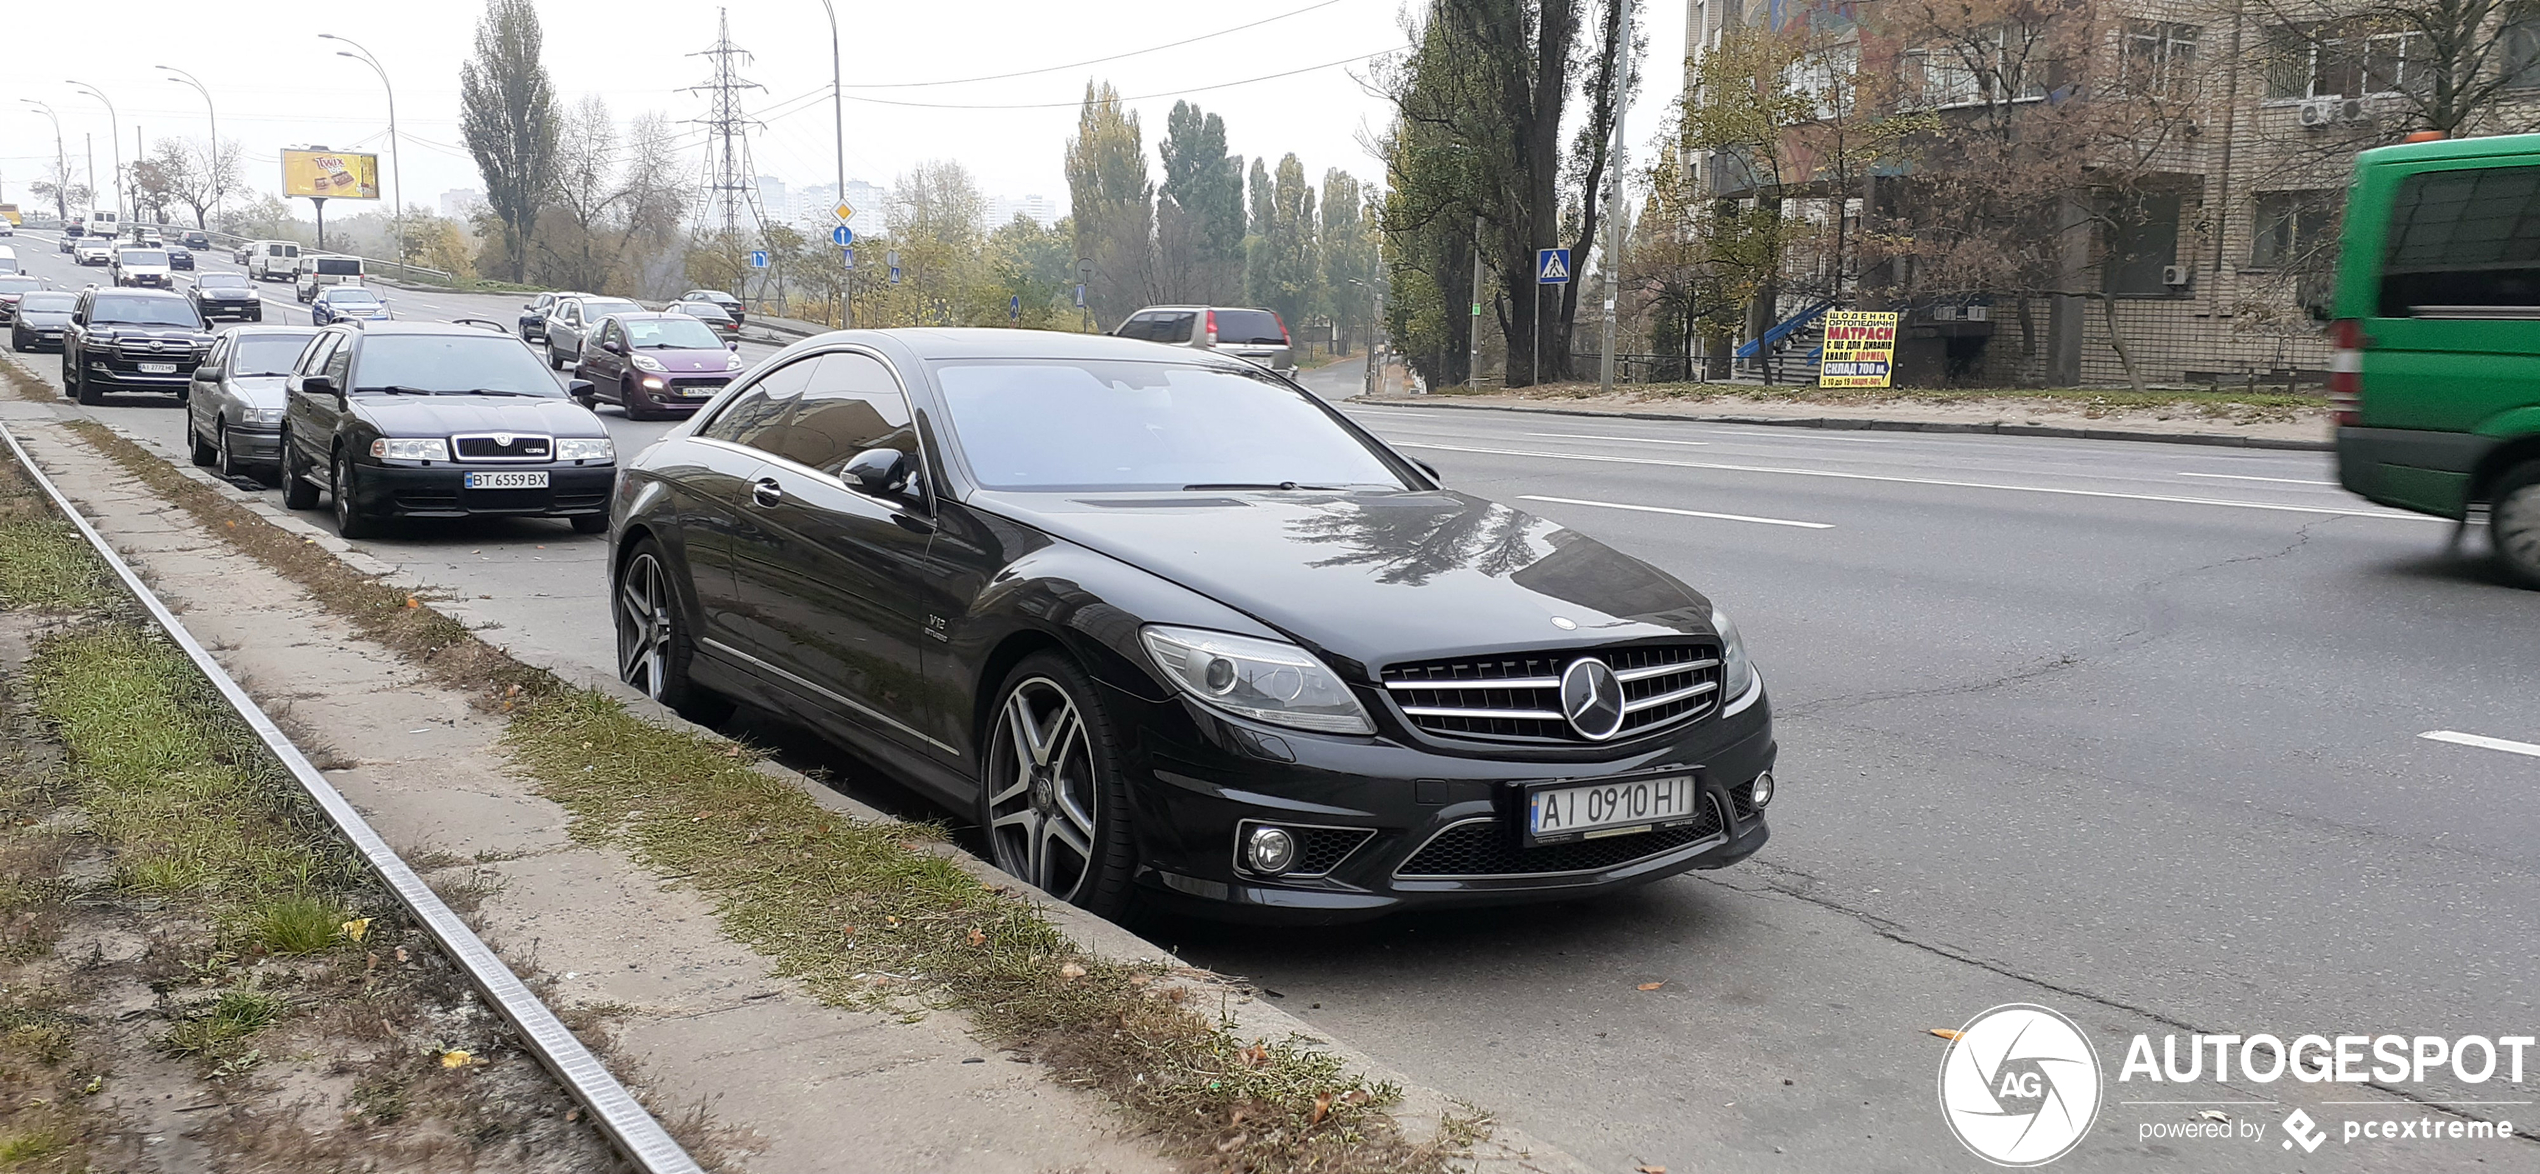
x=333, y=175
x=1860, y=348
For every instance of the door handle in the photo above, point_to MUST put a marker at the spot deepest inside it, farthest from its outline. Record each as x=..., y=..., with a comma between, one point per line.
x=765, y=491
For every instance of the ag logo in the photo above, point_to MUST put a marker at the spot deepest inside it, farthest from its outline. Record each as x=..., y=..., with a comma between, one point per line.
x=2020, y=1085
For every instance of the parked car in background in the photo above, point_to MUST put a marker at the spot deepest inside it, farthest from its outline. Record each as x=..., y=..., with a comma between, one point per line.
x=131, y=340
x=570, y=322
x=234, y=412
x=272, y=260
x=731, y=306
x=180, y=257
x=533, y=313
x=347, y=303
x=724, y=325
x=195, y=238
x=1175, y=632
x=145, y=236
x=69, y=243
x=94, y=250
x=12, y=287
x=439, y=420
x=656, y=365
x=40, y=321
x=319, y=272
x=225, y=295
x=136, y=266
x=1250, y=334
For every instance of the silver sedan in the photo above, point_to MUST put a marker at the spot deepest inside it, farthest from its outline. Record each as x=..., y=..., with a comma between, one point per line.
x=234, y=406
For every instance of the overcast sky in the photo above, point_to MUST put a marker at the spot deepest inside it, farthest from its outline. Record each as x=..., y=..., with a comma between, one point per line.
x=278, y=84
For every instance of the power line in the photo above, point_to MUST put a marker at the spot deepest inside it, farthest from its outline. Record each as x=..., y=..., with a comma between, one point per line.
x=994, y=77
x=1125, y=98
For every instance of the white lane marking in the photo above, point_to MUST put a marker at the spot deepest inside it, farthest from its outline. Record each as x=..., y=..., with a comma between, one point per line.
x=2277, y=480
x=1608, y=460
x=1624, y=439
x=2481, y=741
x=1660, y=509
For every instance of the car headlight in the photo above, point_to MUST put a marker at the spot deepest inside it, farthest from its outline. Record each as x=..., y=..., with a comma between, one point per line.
x=648, y=363
x=585, y=448
x=731, y=362
x=435, y=449
x=263, y=415
x=1267, y=680
x=1736, y=671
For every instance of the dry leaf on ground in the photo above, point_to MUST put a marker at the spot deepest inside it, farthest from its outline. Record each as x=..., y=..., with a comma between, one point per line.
x=1944, y=1033
x=1651, y=986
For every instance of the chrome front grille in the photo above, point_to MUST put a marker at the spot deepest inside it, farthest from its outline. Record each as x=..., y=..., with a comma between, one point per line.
x=502, y=446
x=154, y=348
x=1517, y=697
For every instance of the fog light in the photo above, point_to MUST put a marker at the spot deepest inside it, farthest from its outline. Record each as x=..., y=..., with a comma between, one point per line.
x=1270, y=850
x=1763, y=792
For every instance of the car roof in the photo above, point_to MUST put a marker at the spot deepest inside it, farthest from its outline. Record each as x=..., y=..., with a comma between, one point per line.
x=442, y=329
x=936, y=343
x=130, y=291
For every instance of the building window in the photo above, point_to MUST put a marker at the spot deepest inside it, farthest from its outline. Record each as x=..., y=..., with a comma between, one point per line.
x=2293, y=229
x=2158, y=58
x=2343, y=61
x=1825, y=79
x=1981, y=69
x=2142, y=240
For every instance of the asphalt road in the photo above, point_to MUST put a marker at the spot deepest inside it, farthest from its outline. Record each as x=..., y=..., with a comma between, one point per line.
x=2130, y=730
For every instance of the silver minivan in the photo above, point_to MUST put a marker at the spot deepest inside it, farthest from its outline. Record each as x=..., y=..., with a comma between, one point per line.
x=1243, y=332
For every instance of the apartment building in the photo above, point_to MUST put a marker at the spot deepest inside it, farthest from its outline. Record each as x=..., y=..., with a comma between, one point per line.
x=2202, y=254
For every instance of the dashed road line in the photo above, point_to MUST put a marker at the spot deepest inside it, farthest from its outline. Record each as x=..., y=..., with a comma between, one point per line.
x=2482, y=742
x=1660, y=509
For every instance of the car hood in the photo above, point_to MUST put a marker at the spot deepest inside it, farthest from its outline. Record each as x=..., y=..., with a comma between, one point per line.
x=1379, y=577
x=258, y=391
x=690, y=362
x=121, y=332
x=225, y=294
x=45, y=317
x=441, y=415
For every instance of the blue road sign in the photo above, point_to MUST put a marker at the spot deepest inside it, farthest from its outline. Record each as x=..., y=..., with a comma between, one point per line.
x=895, y=275
x=842, y=236
x=1014, y=308
x=1080, y=295
x=1552, y=266
x=758, y=258
x=850, y=255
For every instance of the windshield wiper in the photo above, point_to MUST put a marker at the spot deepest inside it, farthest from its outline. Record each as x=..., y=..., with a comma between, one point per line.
x=494, y=391
x=392, y=389
x=1258, y=485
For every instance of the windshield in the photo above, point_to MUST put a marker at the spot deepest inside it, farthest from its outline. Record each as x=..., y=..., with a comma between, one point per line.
x=597, y=308
x=351, y=297
x=19, y=284
x=704, y=310
x=456, y=363
x=339, y=266
x=1053, y=425
x=144, y=257
x=268, y=354
x=59, y=303
x=221, y=281
x=132, y=311
x=653, y=334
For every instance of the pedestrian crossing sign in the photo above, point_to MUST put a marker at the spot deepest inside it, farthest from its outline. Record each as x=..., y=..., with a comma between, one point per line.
x=1552, y=266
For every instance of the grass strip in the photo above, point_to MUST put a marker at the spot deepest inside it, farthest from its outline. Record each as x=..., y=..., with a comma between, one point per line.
x=864, y=913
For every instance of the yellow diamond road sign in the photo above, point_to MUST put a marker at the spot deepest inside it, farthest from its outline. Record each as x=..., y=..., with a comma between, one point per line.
x=844, y=211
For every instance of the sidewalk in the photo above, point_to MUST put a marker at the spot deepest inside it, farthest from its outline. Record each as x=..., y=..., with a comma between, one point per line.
x=2009, y=415
x=699, y=1024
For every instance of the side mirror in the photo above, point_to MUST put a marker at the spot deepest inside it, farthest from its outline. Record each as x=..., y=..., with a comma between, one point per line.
x=579, y=388
x=882, y=472
x=528, y=306
x=613, y=347
x=1426, y=467
x=79, y=317
x=320, y=385
x=734, y=347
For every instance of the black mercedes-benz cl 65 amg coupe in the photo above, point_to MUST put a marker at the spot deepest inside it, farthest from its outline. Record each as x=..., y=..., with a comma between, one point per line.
x=1180, y=634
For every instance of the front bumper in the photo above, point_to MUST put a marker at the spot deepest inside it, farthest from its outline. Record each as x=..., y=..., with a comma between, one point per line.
x=678, y=393
x=439, y=491
x=1442, y=830
x=127, y=373
x=255, y=444
x=218, y=308
x=2411, y=468
x=48, y=339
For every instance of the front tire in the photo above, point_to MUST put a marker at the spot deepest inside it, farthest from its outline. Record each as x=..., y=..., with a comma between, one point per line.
x=297, y=493
x=2513, y=524
x=1053, y=797
x=350, y=521
x=654, y=648
x=75, y=376
x=202, y=453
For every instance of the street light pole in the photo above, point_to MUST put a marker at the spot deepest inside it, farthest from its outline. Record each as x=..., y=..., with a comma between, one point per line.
x=113, y=123
x=1614, y=195
x=186, y=79
x=838, y=106
x=396, y=153
x=61, y=165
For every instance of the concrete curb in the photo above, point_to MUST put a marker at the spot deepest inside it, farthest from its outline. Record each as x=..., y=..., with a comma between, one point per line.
x=1506, y=1150
x=1850, y=424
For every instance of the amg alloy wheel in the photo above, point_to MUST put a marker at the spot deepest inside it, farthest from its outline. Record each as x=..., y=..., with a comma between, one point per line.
x=1053, y=808
x=653, y=648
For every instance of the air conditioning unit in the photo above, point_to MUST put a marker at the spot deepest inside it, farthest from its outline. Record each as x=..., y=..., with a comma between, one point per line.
x=1979, y=313
x=2174, y=275
x=2353, y=110
x=2317, y=112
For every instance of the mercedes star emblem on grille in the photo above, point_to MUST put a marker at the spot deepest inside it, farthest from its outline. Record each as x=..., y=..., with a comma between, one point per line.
x=1592, y=699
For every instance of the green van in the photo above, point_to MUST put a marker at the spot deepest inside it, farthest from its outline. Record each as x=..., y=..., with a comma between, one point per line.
x=2435, y=376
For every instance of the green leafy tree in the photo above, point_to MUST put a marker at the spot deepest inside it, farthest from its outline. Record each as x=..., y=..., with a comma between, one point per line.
x=1113, y=204
x=1199, y=211
x=1348, y=258
x=507, y=117
x=1285, y=275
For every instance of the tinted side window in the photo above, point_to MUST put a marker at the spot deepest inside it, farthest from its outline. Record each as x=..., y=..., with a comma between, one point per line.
x=1176, y=327
x=758, y=411
x=315, y=357
x=1250, y=328
x=2463, y=238
x=1137, y=327
x=339, y=364
x=853, y=404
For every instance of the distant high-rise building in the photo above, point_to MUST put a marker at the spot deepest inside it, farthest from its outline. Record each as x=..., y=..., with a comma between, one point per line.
x=872, y=204
x=1001, y=210
x=461, y=203
x=815, y=206
x=771, y=197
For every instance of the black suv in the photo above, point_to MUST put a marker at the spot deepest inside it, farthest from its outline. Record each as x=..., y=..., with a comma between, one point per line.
x=132, y=339
x=438, y=420
x=226, y=295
